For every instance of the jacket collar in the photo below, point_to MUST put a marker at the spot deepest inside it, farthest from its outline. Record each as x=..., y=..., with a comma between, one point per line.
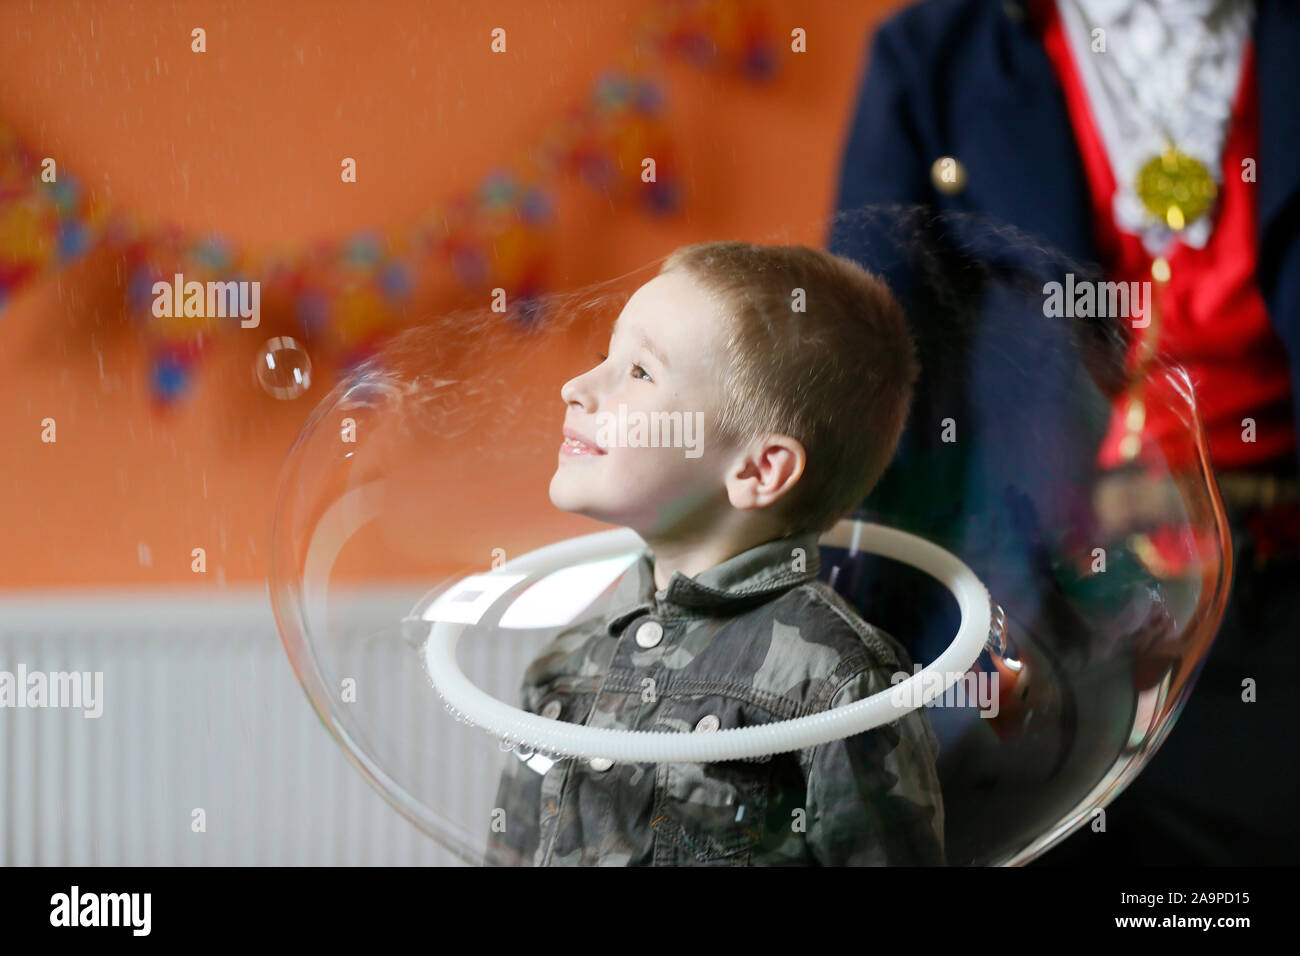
x=741, y=581
x=1277, y=37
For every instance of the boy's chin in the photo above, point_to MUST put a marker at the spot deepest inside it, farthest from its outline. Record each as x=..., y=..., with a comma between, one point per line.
x=565, y=499
x=569, y=499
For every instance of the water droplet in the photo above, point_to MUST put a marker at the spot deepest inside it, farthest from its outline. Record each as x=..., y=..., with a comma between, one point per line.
x=283, y=368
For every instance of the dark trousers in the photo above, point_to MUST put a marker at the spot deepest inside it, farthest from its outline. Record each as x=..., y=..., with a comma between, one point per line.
x=1223, y=789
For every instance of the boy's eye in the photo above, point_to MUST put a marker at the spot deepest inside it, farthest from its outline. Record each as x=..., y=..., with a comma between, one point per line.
x=645, y=376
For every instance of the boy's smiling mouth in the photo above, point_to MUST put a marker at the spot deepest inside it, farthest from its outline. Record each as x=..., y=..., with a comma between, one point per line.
x=578, y=445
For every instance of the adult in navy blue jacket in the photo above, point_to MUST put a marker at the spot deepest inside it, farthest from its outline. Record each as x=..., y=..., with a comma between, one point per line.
x=970, y=79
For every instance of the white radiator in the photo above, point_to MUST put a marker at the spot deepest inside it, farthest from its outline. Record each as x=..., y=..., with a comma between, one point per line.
x=201, y=710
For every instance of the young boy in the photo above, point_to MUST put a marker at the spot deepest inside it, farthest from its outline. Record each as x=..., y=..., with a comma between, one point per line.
x=801, y=367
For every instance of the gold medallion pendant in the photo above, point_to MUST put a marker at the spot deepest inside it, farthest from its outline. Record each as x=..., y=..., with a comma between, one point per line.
x=1176, y=187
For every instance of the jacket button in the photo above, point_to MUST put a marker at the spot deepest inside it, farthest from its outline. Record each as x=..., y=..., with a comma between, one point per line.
x=948, y=175
x=552, y=709
x=708, y=723
x=600, y=764
x=649, y=634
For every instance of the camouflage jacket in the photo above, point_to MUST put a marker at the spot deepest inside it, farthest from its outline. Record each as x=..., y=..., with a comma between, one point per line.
x=753, y=640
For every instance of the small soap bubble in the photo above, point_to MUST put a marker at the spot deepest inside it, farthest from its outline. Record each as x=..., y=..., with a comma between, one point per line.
x=283, y=368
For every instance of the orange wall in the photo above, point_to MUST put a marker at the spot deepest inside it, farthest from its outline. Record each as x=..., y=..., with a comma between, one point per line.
x=245, y=141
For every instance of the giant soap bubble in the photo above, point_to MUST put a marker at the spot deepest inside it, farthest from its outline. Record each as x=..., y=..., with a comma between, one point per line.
x=1054, y=590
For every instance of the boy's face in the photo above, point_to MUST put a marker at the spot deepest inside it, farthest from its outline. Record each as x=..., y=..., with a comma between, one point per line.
x=665, y=355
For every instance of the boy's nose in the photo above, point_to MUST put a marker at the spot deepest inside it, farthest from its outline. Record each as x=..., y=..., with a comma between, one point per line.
x=574, y=391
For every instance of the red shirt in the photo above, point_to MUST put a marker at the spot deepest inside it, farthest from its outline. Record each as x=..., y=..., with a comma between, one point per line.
x=1212, y=316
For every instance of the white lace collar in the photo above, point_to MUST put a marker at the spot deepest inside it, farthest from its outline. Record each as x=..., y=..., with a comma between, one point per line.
x=1181, y=59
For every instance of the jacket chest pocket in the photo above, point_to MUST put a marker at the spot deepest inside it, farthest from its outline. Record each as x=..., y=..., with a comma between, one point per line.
x=714, y=811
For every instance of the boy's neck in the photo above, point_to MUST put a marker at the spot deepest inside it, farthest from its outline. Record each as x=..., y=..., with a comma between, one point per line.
x=692, y=556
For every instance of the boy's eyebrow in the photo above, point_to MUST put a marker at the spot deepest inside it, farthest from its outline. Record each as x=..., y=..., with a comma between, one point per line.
x=648, y=345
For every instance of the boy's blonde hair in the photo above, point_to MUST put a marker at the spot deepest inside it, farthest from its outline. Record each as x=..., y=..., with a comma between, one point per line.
x=838, y=377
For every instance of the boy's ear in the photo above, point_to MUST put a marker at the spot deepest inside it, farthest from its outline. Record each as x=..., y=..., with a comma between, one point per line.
x=765, y=472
